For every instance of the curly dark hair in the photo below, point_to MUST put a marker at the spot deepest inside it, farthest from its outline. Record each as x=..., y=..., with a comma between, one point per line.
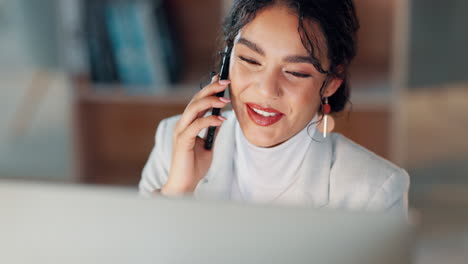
x=339, y=25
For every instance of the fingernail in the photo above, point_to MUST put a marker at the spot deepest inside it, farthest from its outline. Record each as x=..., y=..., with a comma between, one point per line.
x=224, y=82
x=224, y=99
x=222, y=118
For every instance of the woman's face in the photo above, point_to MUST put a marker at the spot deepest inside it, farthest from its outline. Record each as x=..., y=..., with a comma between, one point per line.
x=275, y=89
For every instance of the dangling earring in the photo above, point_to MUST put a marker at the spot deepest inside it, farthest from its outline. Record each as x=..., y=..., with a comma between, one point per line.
x=327, y=124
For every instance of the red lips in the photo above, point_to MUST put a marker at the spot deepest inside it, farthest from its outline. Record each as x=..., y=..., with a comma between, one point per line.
x=260, y=119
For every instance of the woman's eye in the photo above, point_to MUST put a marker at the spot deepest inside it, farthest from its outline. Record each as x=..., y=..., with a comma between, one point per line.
x=249, y=61
x=295, y=74
x=299, y=75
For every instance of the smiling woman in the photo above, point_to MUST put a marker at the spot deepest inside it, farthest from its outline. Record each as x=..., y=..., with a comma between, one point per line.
x=274, y=82
x=288, y=71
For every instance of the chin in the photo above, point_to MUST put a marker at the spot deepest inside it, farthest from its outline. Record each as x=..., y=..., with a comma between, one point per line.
x=261, y=140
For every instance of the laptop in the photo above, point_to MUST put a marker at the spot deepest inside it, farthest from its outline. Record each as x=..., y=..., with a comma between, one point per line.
x=44, y=223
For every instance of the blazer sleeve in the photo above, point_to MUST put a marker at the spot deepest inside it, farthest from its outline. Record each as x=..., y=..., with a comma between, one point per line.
x=392, y=196
x=156, y=170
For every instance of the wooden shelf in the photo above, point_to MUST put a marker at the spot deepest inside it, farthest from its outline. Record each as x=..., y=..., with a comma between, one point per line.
x=84, y=91
x=114, y=132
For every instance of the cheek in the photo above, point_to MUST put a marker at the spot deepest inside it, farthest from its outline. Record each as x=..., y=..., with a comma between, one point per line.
x=304, y=100
x=240, y=80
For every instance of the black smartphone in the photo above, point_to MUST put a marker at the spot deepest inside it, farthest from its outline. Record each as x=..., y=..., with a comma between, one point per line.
x=223, y=75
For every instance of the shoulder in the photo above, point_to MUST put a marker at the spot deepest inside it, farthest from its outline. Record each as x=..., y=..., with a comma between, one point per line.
x=165, y=131
x=364, y=177
x=352, y=155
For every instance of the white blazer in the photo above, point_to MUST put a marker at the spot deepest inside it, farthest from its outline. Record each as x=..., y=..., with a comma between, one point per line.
x=338, y=172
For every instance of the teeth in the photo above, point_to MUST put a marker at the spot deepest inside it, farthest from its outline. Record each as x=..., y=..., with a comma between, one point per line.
x=263, y=113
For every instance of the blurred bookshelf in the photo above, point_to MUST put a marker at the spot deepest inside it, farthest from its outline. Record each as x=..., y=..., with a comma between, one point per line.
x=114, y=126
x=115, y=119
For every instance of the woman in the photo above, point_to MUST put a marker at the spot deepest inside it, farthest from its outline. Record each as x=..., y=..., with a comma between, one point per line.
x=288, y=69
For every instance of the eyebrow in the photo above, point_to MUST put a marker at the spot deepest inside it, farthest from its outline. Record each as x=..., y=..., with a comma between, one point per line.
x=291, y=59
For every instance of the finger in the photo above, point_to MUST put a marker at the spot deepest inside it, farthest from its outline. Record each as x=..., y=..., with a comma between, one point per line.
x=199, y=108
x=202, y=113
x=217, y=130
x=213, y=88
x=188, y=137
x=201, y=141
x=215, y=78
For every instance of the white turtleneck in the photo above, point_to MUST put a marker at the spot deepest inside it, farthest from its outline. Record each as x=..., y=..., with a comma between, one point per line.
x=265, y=174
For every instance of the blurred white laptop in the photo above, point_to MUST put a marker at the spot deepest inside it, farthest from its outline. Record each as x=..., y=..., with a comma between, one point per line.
x=71, y=224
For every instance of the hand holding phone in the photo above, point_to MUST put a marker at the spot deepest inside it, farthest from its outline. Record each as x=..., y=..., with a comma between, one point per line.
x=223, y=75
x=190, y=158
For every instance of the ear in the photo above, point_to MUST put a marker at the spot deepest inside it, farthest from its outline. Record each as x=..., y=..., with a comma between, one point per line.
x=332, y=87
x=333, y=84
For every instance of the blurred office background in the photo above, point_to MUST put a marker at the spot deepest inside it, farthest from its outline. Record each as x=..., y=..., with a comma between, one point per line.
x=85, y=83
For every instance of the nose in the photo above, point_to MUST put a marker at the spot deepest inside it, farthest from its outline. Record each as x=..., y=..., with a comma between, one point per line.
x=268, y=85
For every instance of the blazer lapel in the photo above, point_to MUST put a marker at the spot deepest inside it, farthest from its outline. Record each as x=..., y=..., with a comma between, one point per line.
x=315, y=173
